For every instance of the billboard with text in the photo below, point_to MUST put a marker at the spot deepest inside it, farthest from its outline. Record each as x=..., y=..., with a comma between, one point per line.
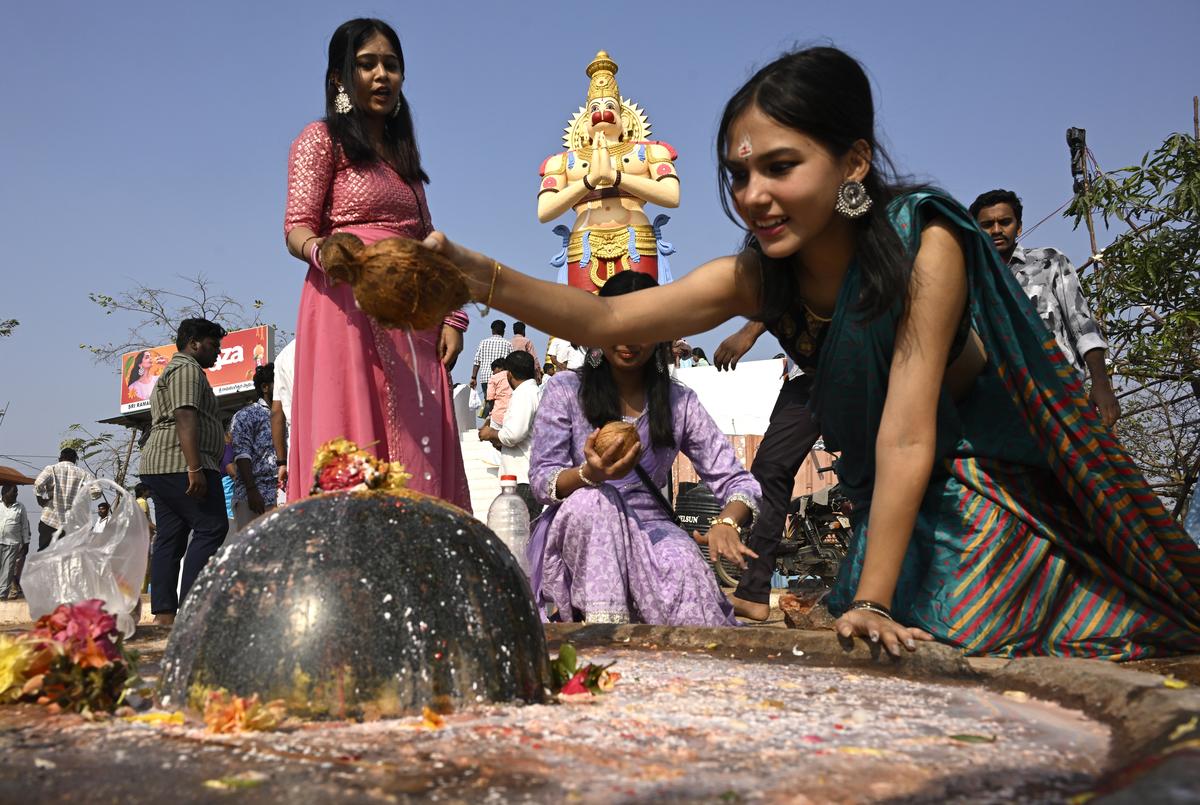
x=241, y=352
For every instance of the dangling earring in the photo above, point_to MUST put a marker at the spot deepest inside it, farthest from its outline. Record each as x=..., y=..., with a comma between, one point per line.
x=659, y=363
x=595, y=358
x=852, y=199
x=396, y=108
x=341, y=101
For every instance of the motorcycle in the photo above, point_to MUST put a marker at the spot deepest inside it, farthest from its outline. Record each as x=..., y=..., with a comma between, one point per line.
x=817, y=536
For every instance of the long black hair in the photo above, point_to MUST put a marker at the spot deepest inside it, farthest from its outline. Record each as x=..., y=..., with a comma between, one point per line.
x=824, y=93
x=598, y=388
x=349, y=130
x=135, y=373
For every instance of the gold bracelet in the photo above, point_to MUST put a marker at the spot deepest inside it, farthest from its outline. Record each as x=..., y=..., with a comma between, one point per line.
x=729, y=521
x=487, y=306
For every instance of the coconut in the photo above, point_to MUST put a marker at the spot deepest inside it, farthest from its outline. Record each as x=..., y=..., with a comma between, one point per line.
x=396, y=281
x=623, y=433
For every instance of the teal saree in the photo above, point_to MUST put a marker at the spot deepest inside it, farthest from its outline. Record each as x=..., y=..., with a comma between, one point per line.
x=1036, y=535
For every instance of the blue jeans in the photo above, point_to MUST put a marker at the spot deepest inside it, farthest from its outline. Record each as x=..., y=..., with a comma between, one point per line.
x=178, y=515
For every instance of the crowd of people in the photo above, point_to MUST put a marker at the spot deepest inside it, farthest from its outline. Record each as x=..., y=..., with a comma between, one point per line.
x=993, y=508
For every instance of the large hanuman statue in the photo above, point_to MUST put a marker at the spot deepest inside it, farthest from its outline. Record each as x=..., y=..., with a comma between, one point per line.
x=608, y=173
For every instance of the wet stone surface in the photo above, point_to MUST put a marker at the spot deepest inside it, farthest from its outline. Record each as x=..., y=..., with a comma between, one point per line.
x=680, y=727
x=360, y=605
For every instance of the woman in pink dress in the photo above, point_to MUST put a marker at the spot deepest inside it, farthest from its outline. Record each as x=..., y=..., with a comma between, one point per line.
x=359, y=171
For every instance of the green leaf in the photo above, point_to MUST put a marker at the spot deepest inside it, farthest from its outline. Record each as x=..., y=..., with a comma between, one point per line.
x=568, y=657
x=968, y=738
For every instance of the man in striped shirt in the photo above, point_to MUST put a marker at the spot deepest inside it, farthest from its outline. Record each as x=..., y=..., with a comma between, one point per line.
x=181, y=463
x=494, y=347
x=56, y=487
x=1052, y=284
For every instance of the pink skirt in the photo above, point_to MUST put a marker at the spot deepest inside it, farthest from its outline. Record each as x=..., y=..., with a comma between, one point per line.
x=384, y=389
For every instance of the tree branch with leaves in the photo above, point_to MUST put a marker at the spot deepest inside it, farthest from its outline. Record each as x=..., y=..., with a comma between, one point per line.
x=1145, y=291
x=160, y=309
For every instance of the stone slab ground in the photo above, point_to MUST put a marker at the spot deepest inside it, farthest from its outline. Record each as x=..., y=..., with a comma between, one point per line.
x=762, y=715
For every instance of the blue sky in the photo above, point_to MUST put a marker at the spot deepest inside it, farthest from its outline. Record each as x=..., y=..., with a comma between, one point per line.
x=144, y=140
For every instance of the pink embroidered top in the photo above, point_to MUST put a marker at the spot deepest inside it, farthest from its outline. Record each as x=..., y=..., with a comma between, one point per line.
x=326, y=193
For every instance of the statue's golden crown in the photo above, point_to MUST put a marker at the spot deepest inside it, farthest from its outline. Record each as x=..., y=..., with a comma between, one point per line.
x=636, y=127
x=603, y=73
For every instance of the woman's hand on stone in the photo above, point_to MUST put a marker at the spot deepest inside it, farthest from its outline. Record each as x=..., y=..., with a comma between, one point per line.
x=877, y=629
x=614, y=463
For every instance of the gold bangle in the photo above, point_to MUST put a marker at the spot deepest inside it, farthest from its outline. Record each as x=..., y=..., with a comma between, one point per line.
x=487, y=306
x=729, y=521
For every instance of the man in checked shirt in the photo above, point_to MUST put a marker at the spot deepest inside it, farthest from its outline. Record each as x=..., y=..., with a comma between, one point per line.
x=1049, y=279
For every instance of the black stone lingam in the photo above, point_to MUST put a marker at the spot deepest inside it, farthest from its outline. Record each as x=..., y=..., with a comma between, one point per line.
x=360, y=605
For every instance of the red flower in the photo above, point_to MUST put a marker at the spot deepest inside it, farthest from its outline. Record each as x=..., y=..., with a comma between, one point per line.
x=84, y=630
x=343, y=472
x=575, y=685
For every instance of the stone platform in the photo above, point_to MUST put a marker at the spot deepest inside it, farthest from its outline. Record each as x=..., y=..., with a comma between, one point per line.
x=710, y=715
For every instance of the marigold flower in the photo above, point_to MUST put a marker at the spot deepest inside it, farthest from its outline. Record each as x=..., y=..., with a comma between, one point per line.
x=225, y=713
x=16, y=657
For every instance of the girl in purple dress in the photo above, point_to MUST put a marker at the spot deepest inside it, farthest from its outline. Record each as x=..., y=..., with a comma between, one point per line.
x=607, y=550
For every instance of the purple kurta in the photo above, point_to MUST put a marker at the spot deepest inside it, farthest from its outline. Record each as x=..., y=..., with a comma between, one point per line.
x=612, y=554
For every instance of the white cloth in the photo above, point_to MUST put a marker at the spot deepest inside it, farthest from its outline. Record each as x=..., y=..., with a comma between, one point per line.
x=60, y=483
x=14, y=524
x=567, y=355
x=516, y=436
x=285, y=367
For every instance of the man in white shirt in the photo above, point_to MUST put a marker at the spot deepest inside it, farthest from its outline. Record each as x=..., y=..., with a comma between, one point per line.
x=564, y=354
x=14, y=537
x=281, y=412
x=514, y=439
x=56, y=487
x=103, y=512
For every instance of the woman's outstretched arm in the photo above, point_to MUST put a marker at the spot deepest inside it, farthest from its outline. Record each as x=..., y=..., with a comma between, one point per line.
x=904, y=446
x=714, y=292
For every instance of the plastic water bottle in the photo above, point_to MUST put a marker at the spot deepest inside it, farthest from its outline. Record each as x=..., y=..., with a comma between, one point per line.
x=508, y=518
